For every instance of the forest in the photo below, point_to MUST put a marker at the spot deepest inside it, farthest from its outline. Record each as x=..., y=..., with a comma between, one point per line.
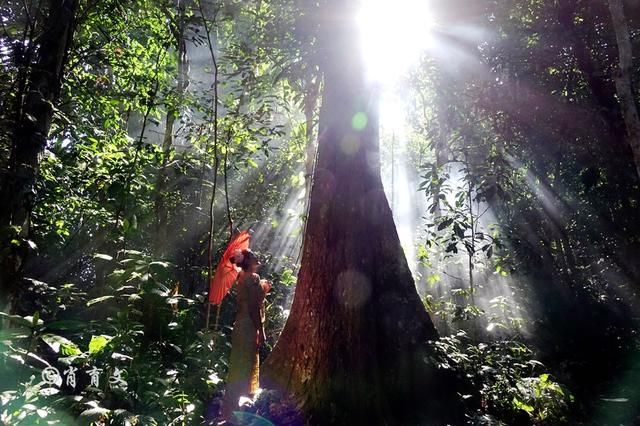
x=441, y=199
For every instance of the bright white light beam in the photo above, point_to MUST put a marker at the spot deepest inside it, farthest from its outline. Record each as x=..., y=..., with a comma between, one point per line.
x=393, y=35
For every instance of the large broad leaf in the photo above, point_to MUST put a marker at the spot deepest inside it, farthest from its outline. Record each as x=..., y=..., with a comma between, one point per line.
x=522, y=405
x=98, y=343
x=61, y=344
x=99, y=299
x=14, y=333
x=103, y=256
x=95, y=413
x=67, y=325
x=28, y=321
x=444, y=224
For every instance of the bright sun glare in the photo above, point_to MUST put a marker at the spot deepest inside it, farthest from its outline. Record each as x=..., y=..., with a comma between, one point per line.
x=393, y=35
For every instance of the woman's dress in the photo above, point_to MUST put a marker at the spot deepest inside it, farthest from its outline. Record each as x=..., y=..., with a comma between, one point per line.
x=244, y=362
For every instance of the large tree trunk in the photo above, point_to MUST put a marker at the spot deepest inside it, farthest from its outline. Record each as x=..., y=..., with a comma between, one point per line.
x=353, y=348
x=30, y=136
x=620, y=161
x=310, y=102
x=624, y=86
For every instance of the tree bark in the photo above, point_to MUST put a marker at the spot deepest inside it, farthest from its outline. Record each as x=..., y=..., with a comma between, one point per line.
x=353, y=348
x=310, y=101
x=30, y=136
x=624, y=85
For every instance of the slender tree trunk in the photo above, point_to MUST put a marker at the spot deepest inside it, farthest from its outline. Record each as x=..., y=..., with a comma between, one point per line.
x=160, y=208
x=441, y=146
x=441, y=163
x=624, y=86
x=353, y=348
x=30, y=136
x=173, y=111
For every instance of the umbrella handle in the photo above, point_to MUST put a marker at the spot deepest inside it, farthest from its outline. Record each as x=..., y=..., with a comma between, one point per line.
x=215, y=327
x=206, y=324
x=215, y=335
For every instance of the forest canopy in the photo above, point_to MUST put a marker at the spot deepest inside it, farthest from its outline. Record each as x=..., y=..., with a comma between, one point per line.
x=443, y=195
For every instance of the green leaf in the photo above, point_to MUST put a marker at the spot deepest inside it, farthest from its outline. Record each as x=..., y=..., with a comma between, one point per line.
x=103, y=256
x=458, y=231
x=522, y=406
x=433, y=279
x=35, y=320
x=28, y=321
x=61, y=345
x=133, y=253
x=68, y=325
x=98, y=343
x=99, y=299
x=288, y=277
x=444, y=224
x=95, y=413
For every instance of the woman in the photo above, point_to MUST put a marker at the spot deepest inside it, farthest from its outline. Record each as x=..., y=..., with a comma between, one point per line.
x=248, y=332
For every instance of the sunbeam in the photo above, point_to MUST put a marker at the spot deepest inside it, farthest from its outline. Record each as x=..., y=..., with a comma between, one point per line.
x=393, y=35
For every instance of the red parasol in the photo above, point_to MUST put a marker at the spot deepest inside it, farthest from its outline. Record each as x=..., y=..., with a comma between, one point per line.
x=226, y=272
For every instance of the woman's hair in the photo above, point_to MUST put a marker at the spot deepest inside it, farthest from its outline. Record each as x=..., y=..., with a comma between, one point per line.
x=244, y=260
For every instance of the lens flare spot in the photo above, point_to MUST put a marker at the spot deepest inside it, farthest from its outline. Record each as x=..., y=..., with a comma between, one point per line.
x=359, y=121
x=350, y=144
